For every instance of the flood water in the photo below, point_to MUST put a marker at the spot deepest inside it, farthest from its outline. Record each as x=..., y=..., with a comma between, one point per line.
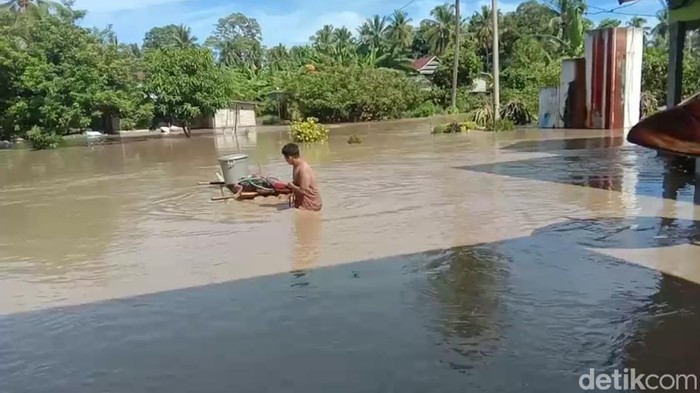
x=510, y=262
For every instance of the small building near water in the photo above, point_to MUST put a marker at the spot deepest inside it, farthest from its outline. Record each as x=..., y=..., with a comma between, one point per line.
x=238, y=114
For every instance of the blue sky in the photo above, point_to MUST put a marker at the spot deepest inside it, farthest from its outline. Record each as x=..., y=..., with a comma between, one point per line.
x=285, y=21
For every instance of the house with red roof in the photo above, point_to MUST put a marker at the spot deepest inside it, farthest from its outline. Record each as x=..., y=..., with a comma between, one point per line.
x=426, y=65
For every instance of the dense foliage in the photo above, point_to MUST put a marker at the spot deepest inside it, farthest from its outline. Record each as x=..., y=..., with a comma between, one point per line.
x=353, y=94
x=184, y=84
x=309, y=130
x=58, y=78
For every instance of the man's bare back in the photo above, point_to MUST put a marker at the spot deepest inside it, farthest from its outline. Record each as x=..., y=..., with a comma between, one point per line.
x=306, y=195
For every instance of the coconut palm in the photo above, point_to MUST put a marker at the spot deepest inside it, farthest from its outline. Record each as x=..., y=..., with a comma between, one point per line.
x=183, y=38
x=323, y=38
x=660, y=31
x=277, y=57
x=609, y=22
x=373, y=32
x=343, y=46
x=637, y=21
x=395, y=58
x=400, y=31
x=640, y=23
x=481, y=29
x=440, y=29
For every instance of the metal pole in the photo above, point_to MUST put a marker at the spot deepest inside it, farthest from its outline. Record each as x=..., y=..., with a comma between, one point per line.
x=496, y=81
x=455, y=66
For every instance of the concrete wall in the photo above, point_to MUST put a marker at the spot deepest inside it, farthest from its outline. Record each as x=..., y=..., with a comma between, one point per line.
x=226, y=118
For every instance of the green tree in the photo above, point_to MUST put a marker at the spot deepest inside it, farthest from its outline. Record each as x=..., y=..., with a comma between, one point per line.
x=185, y=84
x=638, y=22
x=569, y=25
x=440, y=30
x=323, y=39
x=470, y=66
x=373, y=32
x=659, y=32
x=400, y=31
x=66, y=77
x=277, y=58
x=608, y=23
x=160, y=37
x=237, y=40
x=183, y=37
x=353, y=94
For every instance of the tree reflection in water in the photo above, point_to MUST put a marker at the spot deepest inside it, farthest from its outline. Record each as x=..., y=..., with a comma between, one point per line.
x=467, y=283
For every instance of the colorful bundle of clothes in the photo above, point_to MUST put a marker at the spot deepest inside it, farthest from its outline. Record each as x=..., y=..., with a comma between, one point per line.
x=262, y=185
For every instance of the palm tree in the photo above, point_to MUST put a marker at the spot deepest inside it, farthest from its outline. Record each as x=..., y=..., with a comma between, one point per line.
x=277, y=57
x=343, y=46
x=394, y=58
x=640, y=23
x=440, y=29
x=323, y=38
x=637, y=21
x=481, y=28
x=373, y=32
x=608, y=23
x=660, y=31
x=302, y=55
x=400, y=31
x=26, y=5
x=183, y=38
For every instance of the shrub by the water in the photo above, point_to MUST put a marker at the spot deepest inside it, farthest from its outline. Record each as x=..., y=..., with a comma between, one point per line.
x=40, y=140
x=425, y=109
x=309, y=130
x=517, y=112
x=504, y=125
x=483, y=116
x=354, y=139
x=339, y=94
x=455, y=127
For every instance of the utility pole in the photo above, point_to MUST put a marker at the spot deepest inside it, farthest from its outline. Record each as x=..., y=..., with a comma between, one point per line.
x=455, y=65
x=496, y=81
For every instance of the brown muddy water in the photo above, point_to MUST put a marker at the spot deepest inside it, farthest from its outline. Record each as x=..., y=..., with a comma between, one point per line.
x=451, y=263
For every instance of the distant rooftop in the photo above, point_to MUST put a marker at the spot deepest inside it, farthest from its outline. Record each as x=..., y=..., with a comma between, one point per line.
x=426, y=65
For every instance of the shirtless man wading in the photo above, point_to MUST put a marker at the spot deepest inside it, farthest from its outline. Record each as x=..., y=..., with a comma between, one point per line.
x=305, y=195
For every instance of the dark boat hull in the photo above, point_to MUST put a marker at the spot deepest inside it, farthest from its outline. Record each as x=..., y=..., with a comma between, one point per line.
x=675, y=130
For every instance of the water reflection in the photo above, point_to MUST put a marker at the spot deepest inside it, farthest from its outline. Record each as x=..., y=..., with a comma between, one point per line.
x=507, y=316
x=307, y=246
x=663, y=340
x=469, y=284
x=599, y=163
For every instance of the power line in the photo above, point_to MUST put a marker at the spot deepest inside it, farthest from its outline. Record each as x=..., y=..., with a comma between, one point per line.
x=406, y=5
x=615, y=10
